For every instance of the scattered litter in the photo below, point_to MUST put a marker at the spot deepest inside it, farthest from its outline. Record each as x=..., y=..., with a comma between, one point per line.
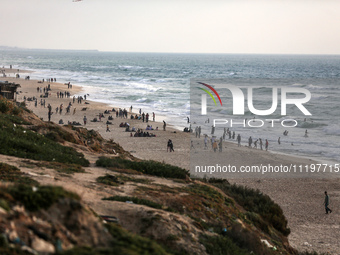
x=267, y=243
x=43, y=175
x=110, y=219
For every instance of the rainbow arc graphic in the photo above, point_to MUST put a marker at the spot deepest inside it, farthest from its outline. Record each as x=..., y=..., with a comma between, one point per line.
x=209, y=93
x=204, y=98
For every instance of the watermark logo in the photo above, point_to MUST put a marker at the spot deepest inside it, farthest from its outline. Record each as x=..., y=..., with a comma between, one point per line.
x=204, y=97
x=239, y=99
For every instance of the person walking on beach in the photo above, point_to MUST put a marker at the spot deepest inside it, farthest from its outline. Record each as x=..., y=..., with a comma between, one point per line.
x=153, y=116
x=170, y=146
x=164, y=125
x=206, y=142
x=326, y=203
x=84, y=119
x=250, y=141
x=267, y=144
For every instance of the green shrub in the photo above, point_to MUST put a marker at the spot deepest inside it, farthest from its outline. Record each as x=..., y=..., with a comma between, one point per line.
x=41, y=197
x=19, y=142
x=220, y=245
x=206, y=192
x=128, y=243
x=109, y=180
x=16, y=110
x=135, y=200
x=4, y=204
x=146, y=166
x=246, y=239
x=58, y=134
x=254, y=201
x=125, y=178
x=10, y=173
x=4, y=105
x=115, y=180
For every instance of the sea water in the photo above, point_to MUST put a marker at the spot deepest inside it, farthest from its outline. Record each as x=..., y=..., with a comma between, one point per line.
x=160, y=83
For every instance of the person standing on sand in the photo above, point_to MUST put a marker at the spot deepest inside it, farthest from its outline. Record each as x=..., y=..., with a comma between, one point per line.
x=250, y=141
x=206, y=142
x=49, y=115
x=153, y=116
x=85, y=119
x=164, y=125
x=278, y=141
x=238, y=140
x=220, y=144
x=267, y=144
x=326, y=203
x=261, y=144
x=215, y=146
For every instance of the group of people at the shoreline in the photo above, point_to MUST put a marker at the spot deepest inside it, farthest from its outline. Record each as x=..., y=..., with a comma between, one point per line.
x=218, y=143
x=46, y=92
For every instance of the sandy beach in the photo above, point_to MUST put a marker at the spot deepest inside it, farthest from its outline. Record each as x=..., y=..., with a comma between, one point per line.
x=154, y=148
x=300, y=198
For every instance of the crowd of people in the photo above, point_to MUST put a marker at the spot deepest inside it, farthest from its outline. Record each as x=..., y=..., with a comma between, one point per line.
x=217, y=144
x=44, y=92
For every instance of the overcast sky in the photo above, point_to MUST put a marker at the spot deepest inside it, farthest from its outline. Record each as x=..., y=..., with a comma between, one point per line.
x=207, y=26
